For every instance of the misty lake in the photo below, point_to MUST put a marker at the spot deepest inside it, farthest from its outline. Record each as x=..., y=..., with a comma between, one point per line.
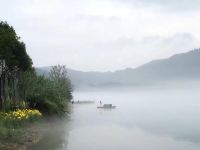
x=154, y=119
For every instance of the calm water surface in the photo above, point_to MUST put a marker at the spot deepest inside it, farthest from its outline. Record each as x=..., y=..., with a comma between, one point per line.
x=144, y=119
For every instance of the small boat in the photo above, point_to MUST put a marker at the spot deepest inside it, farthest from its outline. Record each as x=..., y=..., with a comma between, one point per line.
x=82, y=102
x=107, y=106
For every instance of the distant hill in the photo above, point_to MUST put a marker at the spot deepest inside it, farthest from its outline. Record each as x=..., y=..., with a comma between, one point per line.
x=180, y=67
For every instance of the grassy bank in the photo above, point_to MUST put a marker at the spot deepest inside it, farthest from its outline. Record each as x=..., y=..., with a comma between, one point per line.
x=16, y=128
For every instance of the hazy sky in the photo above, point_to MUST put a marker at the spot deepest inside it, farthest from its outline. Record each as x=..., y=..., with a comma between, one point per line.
x=103, y=34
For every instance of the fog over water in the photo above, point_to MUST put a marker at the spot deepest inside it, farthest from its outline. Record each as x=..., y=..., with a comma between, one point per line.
x=156, y=119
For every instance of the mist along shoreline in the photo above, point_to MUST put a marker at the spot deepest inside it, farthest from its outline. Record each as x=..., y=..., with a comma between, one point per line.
x=26, y=98
x=31, y=135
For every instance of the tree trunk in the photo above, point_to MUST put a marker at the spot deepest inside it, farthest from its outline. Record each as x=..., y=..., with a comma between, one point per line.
x=1, y=100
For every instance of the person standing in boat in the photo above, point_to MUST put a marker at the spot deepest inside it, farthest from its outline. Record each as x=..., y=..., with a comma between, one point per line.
x=100, y=103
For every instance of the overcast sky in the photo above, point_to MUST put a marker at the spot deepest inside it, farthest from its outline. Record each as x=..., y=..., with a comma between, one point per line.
x=102, y=35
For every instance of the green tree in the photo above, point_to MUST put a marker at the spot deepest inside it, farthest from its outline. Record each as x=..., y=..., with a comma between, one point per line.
x=58, y=74
x=14, y=59
x=12, y=49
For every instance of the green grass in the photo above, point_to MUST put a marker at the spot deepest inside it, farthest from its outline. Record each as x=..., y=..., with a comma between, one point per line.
x=11, y=135
x=12, y=130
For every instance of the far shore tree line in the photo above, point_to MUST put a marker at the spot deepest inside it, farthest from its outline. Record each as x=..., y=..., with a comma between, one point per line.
x=21, y=87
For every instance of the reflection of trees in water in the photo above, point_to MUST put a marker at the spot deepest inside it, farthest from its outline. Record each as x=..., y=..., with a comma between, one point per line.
x=54, y=136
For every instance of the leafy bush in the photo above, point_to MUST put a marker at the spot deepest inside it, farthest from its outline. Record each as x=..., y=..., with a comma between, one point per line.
x=49, y=94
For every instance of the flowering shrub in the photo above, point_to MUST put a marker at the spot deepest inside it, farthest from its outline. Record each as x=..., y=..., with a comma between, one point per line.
x=24, y=114
x=20, y=116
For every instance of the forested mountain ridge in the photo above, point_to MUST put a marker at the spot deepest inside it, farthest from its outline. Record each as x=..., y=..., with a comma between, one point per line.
x=184, y=66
